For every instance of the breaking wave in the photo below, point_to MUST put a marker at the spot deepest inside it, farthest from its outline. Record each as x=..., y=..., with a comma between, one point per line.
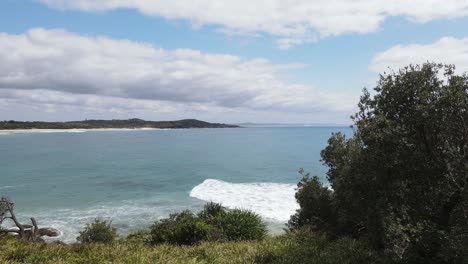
x=272, y=201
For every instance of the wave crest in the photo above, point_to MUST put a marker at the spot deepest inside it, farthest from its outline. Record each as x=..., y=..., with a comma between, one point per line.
x=272, y=201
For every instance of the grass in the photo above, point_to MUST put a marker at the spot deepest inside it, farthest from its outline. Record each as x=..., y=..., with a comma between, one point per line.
x=281, y=249
x=13, y=251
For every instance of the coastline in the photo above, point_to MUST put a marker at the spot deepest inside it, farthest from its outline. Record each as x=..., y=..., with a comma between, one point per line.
x=73, y=130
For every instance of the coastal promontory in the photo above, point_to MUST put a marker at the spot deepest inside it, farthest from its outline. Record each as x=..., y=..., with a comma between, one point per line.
x=134, y=123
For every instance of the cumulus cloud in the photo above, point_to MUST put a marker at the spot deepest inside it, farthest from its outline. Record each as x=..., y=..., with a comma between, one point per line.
x=446, y=50
x=293, y=21
x=57, y=67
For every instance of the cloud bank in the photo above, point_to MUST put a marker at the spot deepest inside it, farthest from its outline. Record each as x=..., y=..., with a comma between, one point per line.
x=56, y=67
x=293, y=22
x=447, y=50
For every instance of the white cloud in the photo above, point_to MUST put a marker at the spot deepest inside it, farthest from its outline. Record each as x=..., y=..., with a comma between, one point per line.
x=293, y=21
x=447, y=50
x=56, y=67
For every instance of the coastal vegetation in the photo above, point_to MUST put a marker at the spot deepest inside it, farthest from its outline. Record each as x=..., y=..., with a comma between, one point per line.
x=284, y=249
x=116, y=124
x=397, y=192
x=214, y=235
x=400, y=183
x=214, y=223
x=99, y=231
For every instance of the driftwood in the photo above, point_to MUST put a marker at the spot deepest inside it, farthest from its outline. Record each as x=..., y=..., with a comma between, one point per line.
x=28, y=232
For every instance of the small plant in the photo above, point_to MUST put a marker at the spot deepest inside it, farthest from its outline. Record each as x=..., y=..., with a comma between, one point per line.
x=100, y=231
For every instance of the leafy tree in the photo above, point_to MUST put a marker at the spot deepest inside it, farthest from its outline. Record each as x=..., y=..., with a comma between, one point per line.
x=401, y=180
x=100, y=231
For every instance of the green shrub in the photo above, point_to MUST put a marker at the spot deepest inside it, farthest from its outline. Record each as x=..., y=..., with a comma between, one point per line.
x=213, y=223
x=302, y=246
x=182, y=228
x=140, y=237
x=238, y=225
x=316, y=206
x=211, y=211
x=233, y=225
x=100, y=231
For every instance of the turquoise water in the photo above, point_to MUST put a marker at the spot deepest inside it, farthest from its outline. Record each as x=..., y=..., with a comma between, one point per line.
x=136, y=177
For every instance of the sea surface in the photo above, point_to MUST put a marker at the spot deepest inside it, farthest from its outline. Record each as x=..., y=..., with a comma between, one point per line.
x=66, y=179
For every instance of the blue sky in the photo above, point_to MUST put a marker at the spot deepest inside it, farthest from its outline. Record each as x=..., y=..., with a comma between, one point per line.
x=322, y=75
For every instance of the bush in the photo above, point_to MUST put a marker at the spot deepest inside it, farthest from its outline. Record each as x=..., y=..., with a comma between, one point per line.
x=100, y=231
x=182, y=228
x=212, y=211
x=238, y=225
x=213, y=223
x=233, y=225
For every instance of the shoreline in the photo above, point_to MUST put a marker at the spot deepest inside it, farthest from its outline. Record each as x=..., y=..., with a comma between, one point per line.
x=76, y=130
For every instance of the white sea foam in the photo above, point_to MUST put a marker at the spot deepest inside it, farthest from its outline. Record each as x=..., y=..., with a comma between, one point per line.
x=7, y=187
x=272, y=201
x=127, y=216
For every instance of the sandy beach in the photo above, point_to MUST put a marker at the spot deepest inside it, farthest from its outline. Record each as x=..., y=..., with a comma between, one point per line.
x=73, y=130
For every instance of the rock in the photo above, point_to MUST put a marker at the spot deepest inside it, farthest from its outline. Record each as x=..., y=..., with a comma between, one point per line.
x=48, y=231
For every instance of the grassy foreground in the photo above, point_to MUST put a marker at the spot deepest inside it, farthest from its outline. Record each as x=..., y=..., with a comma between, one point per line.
x=282, y=249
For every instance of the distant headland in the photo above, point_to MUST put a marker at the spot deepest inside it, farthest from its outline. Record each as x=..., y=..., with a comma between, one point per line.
x=134, y=123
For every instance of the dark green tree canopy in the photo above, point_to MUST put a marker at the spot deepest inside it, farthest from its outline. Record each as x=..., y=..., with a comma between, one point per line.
x=401, y=180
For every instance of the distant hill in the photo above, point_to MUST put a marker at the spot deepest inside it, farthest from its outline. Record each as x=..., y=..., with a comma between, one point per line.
x=129, y=123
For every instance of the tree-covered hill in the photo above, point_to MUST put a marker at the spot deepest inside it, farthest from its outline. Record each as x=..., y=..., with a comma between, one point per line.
x=93, y=124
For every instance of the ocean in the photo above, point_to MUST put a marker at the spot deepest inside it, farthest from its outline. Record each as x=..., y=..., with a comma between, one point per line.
x=65, y=179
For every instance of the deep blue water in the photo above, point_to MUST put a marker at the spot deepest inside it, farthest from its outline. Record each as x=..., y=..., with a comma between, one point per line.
x=138, y=176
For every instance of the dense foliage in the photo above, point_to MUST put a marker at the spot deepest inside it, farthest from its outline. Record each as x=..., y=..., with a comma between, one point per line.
x=214, y=223
x=100, y=231
x=400, y=182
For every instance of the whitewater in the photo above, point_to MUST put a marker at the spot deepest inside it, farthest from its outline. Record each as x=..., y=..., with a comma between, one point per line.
x=272, y=201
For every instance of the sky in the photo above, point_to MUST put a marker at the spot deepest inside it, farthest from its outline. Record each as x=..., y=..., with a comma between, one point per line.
x=230, y=61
